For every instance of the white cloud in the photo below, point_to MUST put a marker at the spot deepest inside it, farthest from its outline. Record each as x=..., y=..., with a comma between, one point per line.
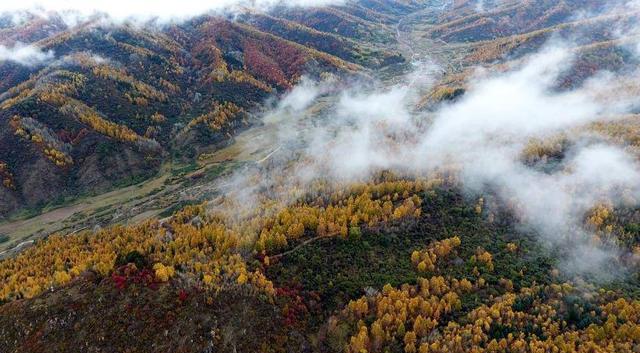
x=28, y=55
x=149, y=9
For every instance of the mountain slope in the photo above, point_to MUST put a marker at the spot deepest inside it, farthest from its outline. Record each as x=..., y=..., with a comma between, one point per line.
x=118, y=101
x=247, y=242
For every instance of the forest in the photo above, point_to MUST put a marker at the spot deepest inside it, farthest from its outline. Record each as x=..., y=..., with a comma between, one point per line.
x=359, y=176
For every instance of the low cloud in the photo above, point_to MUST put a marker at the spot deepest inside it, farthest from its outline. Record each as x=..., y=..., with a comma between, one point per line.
x=480, y=137
x=163, y=10
x=301, y=97
x=23, y=54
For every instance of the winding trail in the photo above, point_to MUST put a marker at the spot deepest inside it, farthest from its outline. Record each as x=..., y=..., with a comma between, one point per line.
x=16, y=248
x=299, y=246
x=270, y=154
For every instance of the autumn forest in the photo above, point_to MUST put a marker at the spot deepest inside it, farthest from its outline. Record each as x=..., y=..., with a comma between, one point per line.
x=353, y=176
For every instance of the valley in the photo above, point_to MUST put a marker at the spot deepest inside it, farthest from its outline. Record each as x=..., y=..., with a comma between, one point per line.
x=361, y=176
x=173, y=186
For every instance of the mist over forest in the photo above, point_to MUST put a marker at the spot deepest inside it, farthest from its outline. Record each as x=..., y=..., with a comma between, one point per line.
x=320, y=176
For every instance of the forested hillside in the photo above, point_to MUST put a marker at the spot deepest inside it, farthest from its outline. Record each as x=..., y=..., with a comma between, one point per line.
x=358, y=176
x=116, y=101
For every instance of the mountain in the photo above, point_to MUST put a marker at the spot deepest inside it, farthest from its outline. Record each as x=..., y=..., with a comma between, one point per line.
x=118, y=101
x=359, y=176
x=505, y=32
